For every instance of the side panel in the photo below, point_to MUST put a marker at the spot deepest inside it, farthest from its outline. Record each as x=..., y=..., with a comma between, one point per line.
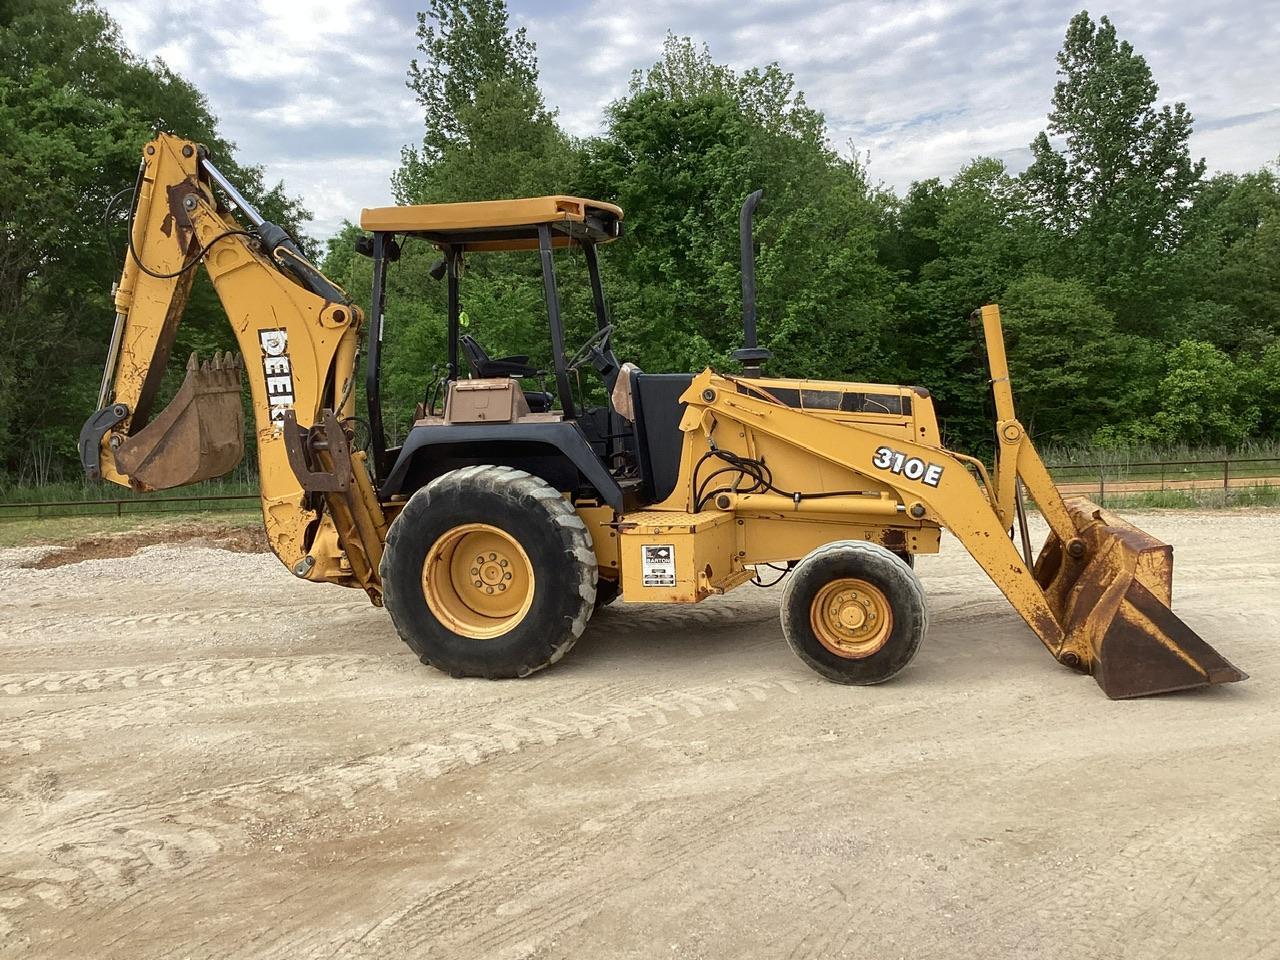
x=604, y=538
x=779, y=538
x=678, y=558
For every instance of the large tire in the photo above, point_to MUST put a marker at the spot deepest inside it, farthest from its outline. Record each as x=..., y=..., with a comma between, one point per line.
x=854, y=612
x=534, y=574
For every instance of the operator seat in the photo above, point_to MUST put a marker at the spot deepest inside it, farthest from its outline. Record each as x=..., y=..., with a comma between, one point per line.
x=652, y=402
x=517, y=366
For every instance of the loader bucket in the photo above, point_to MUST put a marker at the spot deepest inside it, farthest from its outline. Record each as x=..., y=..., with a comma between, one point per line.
x=198, y=436
x=1110, y=588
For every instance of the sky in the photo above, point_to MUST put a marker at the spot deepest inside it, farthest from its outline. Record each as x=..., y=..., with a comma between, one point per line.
x=314, y=91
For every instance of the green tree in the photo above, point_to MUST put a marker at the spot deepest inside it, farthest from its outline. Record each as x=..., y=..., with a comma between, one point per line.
x=1202, y=399
x=1117, y=188
x=958, y=246
x=1231, y=262
x=489, y=134
x=682, y=150
x=1070, y=369
x=75, y=110
x=1264, y=383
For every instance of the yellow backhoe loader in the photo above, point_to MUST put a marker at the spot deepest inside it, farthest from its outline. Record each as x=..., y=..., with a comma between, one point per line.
x=511, y=512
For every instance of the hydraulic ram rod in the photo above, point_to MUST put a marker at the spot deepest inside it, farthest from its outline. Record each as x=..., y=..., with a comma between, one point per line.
x=245, y=206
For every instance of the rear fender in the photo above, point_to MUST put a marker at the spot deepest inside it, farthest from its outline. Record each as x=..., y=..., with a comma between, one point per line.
x=539, y=448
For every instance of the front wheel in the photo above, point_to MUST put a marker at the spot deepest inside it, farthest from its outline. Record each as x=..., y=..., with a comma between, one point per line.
x=488, y=572
x=854, y=612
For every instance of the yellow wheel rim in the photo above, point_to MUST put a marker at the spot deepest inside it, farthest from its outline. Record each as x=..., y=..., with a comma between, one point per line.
x=478, y=581
x=851, y=618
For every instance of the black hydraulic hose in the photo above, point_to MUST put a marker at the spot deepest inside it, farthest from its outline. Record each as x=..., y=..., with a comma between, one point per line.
x=194, y=261
x=759, y=473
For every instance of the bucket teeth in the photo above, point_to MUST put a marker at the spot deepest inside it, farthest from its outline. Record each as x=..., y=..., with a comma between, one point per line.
x=199, y=435
x=1111, y=589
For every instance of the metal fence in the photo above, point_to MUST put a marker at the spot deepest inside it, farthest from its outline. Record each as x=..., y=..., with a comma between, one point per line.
x=1227, y=477
x=1098, y=480
x=39, y=509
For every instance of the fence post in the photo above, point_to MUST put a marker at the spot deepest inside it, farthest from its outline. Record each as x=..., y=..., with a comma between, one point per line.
x=1102, y=485
x=1226, y=481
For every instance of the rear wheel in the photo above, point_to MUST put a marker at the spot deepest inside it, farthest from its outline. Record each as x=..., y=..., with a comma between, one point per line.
x=854, y=612
x=488, y=572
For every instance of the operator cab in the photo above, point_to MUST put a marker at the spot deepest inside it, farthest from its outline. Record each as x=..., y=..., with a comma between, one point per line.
x=500, y=409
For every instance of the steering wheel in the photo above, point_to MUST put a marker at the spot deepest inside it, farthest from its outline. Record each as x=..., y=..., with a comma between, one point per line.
x=593, y=344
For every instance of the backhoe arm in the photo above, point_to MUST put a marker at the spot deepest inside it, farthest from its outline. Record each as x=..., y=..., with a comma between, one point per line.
x=299, y=333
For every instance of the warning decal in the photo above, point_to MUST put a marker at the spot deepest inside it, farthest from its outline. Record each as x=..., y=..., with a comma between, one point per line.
x=658, y=565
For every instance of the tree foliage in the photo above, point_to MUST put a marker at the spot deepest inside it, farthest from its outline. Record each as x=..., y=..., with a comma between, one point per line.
x=1141, y=298
x=75, y=109
x=681, y=152
x=1108, y=252
x=1116, y=192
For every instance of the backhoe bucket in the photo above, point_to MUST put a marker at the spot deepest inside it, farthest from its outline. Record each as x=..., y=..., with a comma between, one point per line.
x=198, y=436
x=1110, y=587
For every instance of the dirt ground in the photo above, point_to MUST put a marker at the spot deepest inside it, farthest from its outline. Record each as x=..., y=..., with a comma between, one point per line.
x=203, y=757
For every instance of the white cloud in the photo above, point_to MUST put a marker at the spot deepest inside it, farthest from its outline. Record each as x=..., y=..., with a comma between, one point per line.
x=315, y=92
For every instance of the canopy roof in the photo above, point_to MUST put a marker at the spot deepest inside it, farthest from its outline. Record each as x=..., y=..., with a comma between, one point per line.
x=500, y=224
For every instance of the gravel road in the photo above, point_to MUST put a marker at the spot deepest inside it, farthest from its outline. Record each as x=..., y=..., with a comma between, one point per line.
x=201, y=757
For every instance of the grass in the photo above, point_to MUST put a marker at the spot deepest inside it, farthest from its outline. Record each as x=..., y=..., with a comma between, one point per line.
x=83, y=494
x=59, y=530
x=1261, y=496
x=1259, y=458
x=1079, y=456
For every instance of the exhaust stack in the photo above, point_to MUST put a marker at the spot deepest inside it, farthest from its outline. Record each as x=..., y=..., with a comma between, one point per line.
x=751, y=356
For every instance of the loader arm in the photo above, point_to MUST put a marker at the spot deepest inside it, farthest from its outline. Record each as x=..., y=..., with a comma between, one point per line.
x=299, y=335
x=1099, y=594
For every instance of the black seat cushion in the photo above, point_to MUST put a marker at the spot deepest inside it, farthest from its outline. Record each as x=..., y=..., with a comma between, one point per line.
x=656, y=398
x=484, y=365
x=539, y=401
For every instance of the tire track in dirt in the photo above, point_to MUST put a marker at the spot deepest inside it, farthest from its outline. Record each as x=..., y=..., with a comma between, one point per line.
x=531, y=896
x=304, y=668
x=191, y=616
x=104, y=854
